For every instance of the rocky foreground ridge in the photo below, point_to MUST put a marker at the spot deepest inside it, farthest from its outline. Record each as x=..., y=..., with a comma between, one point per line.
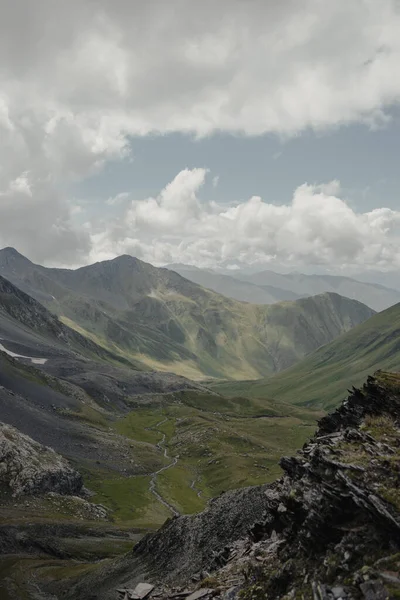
x=328, y=529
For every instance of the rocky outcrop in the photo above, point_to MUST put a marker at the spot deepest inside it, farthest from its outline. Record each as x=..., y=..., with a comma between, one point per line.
x=27, y=467
x=328, y=529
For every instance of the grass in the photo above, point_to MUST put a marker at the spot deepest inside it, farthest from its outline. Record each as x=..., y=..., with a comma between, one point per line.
x=220, y=443
x=136, y=425
x=88, y=414
x=130, y=500
x=174, y=485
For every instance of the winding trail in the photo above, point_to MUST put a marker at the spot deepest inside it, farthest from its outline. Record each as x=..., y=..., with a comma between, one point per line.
x=153, y=481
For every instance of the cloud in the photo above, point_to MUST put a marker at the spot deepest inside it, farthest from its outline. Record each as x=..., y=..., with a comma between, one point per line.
x=78, y=78
x=315, y=227
x=35, y=219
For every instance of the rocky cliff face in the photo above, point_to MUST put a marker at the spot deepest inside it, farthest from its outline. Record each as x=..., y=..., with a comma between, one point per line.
x=27, y=467
x=328, y=529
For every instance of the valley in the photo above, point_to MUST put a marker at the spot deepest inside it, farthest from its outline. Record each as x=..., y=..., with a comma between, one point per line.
x=148, y=444
x=320, y=380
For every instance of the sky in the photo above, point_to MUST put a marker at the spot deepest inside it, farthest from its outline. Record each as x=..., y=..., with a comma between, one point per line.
x=220, y=134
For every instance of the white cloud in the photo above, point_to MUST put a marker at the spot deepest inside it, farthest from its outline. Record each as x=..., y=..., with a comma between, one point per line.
x=315, y=227
x=118, y=199
x=77, y=78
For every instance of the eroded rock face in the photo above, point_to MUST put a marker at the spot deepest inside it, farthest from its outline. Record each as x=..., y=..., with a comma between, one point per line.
x=30, y=468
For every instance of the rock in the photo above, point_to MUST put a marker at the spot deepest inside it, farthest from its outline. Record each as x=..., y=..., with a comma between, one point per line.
x=142, y=590
x=202, y=593
x=373, y=590
x=390, y=577
x=27, y=467
x=338, y=592
x=320, y=591
x=232, y=593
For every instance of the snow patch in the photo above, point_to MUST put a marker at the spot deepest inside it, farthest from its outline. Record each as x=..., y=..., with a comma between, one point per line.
x=35, y=361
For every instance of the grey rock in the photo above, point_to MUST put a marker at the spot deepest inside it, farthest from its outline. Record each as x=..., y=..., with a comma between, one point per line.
x=202, y=593
x=142, y=590
x=232, y=593
x=27, y=467
x=373, y=590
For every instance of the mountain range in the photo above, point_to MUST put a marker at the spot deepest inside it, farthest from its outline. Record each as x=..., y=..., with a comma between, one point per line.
x=157, y=319
x=268, y=287
x=147, y=444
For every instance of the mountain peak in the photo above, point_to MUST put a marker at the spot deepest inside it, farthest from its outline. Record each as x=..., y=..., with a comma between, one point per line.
x=127, y=258
x=10, y=255
x=9, y=251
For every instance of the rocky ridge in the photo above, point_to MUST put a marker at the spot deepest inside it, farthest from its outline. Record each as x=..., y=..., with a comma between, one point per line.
x=328, y=529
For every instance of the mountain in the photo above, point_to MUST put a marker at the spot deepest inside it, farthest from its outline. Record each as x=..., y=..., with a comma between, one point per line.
x=374, y=295
x=390, y=279
x=267, y=287
x=27, y=323
x=319, y=379
x=159, y=319
x=232, y=287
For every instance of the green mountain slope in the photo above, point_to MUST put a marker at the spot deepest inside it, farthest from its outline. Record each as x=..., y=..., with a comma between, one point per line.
x=166, y=322
x=320, y=379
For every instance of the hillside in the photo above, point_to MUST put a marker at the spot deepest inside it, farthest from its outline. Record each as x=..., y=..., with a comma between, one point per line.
x=319, y=379
x=25, y=321
x=157, y=318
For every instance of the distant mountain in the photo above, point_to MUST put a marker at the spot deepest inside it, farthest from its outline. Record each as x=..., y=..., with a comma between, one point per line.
x=374, y=295
x=390, y=279
x=318, y=381
x=167, y=322
x=234, y=288
x=268, y=287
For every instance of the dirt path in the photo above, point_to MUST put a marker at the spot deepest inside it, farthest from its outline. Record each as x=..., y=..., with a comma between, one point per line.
x=153, y=481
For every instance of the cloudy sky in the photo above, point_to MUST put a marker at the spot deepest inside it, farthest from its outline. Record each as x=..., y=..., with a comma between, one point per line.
x=212, y=133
